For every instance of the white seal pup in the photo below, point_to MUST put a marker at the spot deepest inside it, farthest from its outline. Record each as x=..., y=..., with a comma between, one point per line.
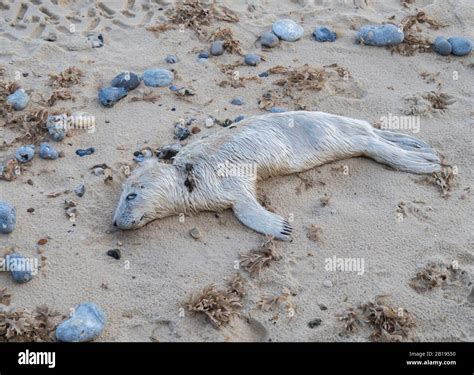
x=221, y=171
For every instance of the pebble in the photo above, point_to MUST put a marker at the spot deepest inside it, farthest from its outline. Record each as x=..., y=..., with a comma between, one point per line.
x=171, y=59
x=114, y=253
x=217, y=48
x=380, y=35
x=141, y=155
x=263, y=74
x=252, y=59
x=51, y=37
x=239, y=118
x=237, y=101
x=7, y=217
x=57, y=126
x=314, y=323
x=18, y=100
x=269, y=39
x=157, y=77
x=210, y=121
x=323, y=34
x=96, y=41
x=327, y=283
x=80, y=190
x=461, y=46
x=277, y=110
x=168, y=151
x=48, y=152
x=442, y=46
x=20, y=268
x=195, y=233
x=203, y=55
x=85, y=152
x=86, y=324
x=108, y=96
x=126, y=80
x=181, y=132
x=288, y=30
x=25, y=153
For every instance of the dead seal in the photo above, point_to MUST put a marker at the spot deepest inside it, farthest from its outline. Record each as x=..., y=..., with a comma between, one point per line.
x=221, y=171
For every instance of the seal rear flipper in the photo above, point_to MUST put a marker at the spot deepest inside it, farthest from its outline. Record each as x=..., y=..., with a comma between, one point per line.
x=250, y=213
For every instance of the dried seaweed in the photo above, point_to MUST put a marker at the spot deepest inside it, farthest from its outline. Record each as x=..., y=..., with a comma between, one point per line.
x=220, y=306
x=5, y=297
x=58, y=94
x=234, y=79
x=386, y=322
x=6, y=88
x=273, y=303
x=20, y=325
x=443, y=180
x=225, y=34
x=299, y=79
x=305, y=183
x=255, y=260
x=194, y=15
x=314, y=233
x=413, y=40
x=237, y=286
x=67, y=78
x=432, y=276
x=439, y=100
x=147, y=96
x=161, y=28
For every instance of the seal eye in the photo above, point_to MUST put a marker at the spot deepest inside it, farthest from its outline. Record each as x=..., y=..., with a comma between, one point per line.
x=131, y=196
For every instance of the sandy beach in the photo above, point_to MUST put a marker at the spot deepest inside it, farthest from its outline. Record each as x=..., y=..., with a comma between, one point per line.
x=397, y=225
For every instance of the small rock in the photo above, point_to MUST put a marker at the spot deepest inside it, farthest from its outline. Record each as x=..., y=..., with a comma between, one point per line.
x=171, y=59
x=51, y=37
x=269, y=39
x=327, y=283
x=157, y=77
x=323, y=34
x=7, y=217
x=380, y=35
x=108, y=96
x=96, y=41
x=195, y=233
x=314, y=323
x=80, y=190
x=203, y=55
x=217, y=48
x=48, y=152
x=461, y=46
x=168, y=151
x=126, y=80
x=57, y=126
x=237, y=101
x=86, y=324
x=181, y=132
x=239, y=118
x=18, y=100
x=210, y=121
x=263, y=74
x=114, y=253
x=288, y=30
x=252, y=59
x=442, y=46
x=85, y=152
x=277, y=110
x=141, y=155
x=174, y=88
x=20, y=268
x=25, y=153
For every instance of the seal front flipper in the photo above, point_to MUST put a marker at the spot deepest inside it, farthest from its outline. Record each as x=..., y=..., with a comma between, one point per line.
x=251, y=214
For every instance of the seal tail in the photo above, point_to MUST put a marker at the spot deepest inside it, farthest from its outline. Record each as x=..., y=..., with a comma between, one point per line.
x=402, y=152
